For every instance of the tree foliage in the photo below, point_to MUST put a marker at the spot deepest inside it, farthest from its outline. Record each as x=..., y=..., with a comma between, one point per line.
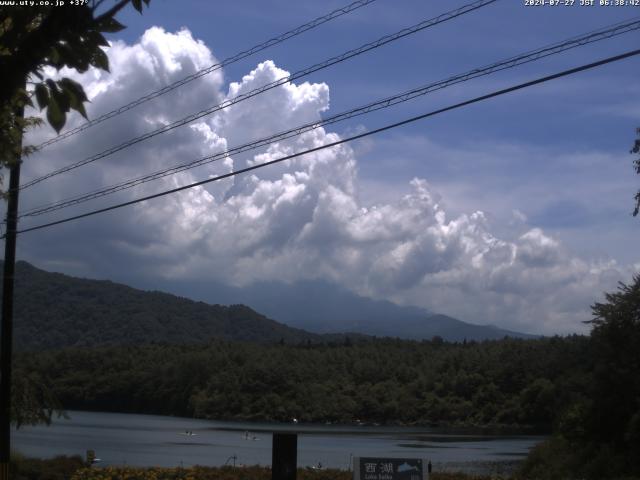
x=614, y=416
x=598, y=436
x=636, y=166
x=509, y=382
x=35, y=37
x=33, y=401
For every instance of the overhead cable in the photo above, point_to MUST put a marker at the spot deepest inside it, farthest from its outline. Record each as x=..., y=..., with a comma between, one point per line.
x=339, y=142
x=511, y=62
x=276, y=83
x=212, y=68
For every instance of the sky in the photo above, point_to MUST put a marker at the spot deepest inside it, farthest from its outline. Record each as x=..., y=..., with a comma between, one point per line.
x=515, y=211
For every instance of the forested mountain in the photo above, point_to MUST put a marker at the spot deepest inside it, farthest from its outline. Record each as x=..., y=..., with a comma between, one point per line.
x=54, y=311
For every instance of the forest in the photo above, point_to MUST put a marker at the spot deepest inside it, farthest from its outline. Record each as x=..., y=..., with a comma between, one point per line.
x=507, y=383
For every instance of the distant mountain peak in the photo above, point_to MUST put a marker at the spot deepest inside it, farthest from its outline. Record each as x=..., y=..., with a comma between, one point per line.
x=321, y=307
x=54, y=310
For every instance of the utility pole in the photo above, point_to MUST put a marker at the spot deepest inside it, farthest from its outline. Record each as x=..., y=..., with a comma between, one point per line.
x=6, y=328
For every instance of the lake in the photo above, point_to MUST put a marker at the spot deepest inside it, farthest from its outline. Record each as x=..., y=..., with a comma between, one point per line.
x=149, y=440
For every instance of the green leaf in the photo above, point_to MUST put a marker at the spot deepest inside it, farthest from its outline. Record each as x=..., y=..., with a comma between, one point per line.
x=137, y=4
x=100, y=59
x=42, y=95
x=74, y=87
x=75, y=94
x=62, y=99
x=55, y=115
x=79, y=107
x=110, y=25
x=54, y=56
x=94, y=38
x=53, y=86
x=68, y=57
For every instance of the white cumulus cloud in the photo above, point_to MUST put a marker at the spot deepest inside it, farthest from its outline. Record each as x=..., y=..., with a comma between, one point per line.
x=303, y=219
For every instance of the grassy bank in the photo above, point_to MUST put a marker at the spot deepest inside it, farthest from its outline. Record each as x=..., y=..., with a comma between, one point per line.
x=59, y=468
x=73, y=468
x=225, y=473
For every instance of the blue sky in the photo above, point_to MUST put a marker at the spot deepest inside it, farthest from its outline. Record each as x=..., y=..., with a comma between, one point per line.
x=594, y=112
x=523, y=203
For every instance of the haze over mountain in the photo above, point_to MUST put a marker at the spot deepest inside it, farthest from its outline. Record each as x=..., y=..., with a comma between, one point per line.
x=321, y=307
x=53, y=310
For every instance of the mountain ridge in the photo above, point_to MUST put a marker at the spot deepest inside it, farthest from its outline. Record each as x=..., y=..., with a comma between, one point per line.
x=321, y=307
x=54, y=310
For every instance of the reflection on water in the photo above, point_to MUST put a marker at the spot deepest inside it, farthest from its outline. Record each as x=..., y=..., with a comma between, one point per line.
x=146, y=440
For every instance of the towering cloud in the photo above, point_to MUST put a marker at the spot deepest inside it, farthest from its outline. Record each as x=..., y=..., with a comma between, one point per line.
x=303, y=219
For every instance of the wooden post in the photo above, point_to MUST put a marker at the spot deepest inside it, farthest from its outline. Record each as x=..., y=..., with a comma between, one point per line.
x=6, y=328
x=284, y=456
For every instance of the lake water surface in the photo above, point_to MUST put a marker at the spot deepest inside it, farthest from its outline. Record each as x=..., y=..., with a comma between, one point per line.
x=148, y=440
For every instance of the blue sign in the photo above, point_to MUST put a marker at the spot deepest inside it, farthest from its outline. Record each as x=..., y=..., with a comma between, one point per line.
x=370, y=468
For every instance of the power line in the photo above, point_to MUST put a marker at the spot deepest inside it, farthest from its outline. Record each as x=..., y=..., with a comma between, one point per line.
x=534, y=55
x=339, y=142
x=212, y=68
x=276, y=83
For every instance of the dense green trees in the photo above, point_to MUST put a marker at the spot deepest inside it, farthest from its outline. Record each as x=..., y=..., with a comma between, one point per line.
x=598, y=435
x=507, y=382
x=614, y=416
